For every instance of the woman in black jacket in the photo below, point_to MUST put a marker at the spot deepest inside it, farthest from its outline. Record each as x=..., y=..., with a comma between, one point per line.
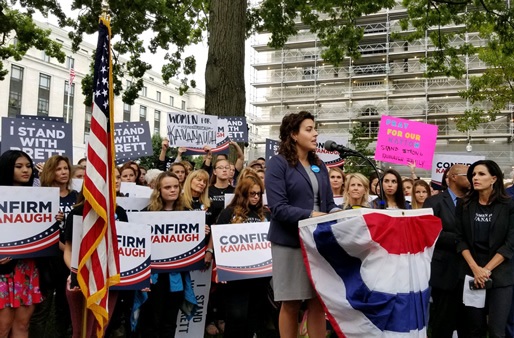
x=485, y=238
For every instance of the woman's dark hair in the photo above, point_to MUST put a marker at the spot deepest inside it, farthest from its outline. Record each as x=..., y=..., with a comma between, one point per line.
x=128, y=166
x=7, y=162
x=399, y=197
x=499, y=194
x=214, y=178
x=371, y=177
x=291, y=125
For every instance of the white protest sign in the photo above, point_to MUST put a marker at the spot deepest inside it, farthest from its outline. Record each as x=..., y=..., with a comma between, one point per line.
x=134, y=252
x=330, y=158
x=76, y=184
x=242, y=251
x=132, y=204
x=442, y=162
x=195, y=327
x=178, y=238
x=131, y=189
x=27, y=221
x=192, y=130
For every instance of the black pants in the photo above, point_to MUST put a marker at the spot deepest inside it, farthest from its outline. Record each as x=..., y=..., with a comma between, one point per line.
x=158, y=316
x=245, y=307
x=447, y=313
x=492, y=318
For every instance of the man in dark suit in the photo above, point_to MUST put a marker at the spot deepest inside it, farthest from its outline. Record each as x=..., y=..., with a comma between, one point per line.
x=446, y=311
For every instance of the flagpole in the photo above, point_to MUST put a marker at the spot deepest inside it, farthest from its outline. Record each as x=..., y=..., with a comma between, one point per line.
x=68, y=102
x=105, y=16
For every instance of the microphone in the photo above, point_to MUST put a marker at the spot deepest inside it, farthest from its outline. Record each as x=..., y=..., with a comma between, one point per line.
x=332, y=146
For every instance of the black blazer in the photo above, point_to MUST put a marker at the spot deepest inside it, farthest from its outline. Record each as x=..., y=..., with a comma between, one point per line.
x=290, y=198
x=501, y=239
x=445, y=264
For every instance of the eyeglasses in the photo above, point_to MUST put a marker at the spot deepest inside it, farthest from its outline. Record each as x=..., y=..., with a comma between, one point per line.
x=221, y=168
x=254, y=193
x=461, y=174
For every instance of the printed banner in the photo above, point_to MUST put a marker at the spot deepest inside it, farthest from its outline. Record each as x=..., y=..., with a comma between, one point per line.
x=133, y=204
x=132, y=140
x=235, y=127
x=195, y=327
x=271, y=148
x=192, y=130
x=27, y=220
x=443, y=162
x=41, y=118
x=371, y=269
x=330, y=158
x=242, y=251
x=402, y=142
x=39, y=139
x=134, y=250
x=178, y=238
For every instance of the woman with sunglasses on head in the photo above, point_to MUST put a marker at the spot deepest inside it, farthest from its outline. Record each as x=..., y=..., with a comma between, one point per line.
x=19, y=278
x=244, y=300
x=297, y=187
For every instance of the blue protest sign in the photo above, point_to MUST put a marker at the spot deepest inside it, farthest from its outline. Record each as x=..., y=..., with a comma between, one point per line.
x=132, y=140
x=271, y=148
x=39, y=139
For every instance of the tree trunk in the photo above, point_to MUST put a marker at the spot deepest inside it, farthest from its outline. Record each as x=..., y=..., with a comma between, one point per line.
x=224, y=73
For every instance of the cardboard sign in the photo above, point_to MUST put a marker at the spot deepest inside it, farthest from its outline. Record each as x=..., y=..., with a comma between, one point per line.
x=134, y=251
x=133, y=204
x=178, y=238
x=195, y=327
x=242, y=251
x=191, y=130
x=39, y=139
x=132, y=140
x=27, y=221
x=442, y=162
x=131, y=189
x=403, y=142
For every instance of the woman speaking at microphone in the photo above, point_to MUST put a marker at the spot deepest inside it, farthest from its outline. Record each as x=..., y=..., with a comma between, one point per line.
x=297, y=187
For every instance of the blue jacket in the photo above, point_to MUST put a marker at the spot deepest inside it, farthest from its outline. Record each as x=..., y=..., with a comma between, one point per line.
x=290, y=198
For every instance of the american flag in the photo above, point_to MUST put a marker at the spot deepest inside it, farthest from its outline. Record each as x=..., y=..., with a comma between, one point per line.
x=72, y=75
x=98, y=259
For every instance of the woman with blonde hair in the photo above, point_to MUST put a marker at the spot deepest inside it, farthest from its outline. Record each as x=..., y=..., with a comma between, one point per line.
x=337, y=180
x=420, y=192
x=356, y=191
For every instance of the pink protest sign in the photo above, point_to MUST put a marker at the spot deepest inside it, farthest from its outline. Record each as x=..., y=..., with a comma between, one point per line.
x=402, y=141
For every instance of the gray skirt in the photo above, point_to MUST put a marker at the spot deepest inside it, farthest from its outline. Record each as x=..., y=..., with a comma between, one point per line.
x=290, y=279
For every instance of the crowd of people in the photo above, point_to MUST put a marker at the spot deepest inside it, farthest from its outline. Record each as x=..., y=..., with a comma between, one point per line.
x=477, y=240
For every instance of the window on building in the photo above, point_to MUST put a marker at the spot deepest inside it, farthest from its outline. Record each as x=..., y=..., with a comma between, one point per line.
x=142, y=113
x=158, y=96
x=183, y=105
x=45, y=57
x=126, y=112
x=70, y=62
x=157, y=122
x=43, y=102
x=129, y=83
x=87, y=120
x=370, y=125
x=144, y=91
x=172, y=101
x=68, y=101
x=15, y=91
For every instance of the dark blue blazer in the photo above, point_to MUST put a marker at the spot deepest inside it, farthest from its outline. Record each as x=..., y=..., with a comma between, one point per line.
x=501, y=239
x=290, y=198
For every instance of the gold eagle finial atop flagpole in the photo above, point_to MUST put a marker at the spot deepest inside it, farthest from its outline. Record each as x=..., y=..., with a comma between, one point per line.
x=105, y=10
